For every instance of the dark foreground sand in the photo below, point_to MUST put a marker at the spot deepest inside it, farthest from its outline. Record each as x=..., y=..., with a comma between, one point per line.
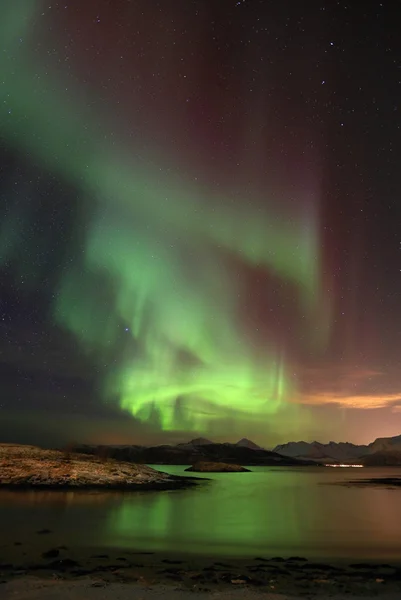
x=87, y=589
x=61, y=572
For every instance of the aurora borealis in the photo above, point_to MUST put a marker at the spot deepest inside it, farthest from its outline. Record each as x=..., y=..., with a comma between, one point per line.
x=185, y=211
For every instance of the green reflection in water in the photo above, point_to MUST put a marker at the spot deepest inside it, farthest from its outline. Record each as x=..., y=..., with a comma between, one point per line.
x=221, y=517
x=269, y=512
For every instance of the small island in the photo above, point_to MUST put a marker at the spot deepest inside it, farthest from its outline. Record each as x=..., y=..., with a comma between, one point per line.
x=216, y=467
x=30, y=467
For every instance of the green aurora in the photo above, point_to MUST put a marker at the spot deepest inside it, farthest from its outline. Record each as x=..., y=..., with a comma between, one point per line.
x=165, y=245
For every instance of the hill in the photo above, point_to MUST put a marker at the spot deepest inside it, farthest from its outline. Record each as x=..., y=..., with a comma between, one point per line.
x=383, y=458
x=190, y=453
x=244, y=442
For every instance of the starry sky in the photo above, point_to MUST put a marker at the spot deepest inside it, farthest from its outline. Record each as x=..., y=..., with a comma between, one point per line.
x=200, y=221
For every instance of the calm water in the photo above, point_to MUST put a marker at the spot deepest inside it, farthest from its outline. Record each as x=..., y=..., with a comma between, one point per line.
x=271, y=511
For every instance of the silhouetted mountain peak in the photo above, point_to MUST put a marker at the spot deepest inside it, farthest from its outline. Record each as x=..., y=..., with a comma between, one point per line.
x=245, y=443
x=199, y=442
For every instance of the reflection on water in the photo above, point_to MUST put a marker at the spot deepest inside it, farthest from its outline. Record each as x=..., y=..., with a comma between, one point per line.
x=268, y=511
x=223, y=516
x=52, y=498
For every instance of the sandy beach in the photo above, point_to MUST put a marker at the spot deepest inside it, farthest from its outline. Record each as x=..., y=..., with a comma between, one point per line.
x=61, y=572
x=36, y=589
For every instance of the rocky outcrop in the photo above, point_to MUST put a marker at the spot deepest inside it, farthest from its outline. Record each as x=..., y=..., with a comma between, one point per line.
x=217, y=467
x=32, y=467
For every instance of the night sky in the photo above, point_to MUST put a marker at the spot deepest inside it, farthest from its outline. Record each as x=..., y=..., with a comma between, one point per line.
x=200, y=220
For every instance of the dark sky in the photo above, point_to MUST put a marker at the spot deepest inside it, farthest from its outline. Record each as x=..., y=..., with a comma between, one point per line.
x=200, y=207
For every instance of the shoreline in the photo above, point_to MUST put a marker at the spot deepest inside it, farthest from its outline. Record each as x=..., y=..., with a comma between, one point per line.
x=141, y=570
x=174, y=482
x=92, y=589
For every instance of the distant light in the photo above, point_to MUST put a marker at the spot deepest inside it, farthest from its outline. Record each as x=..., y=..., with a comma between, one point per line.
x=345, y=466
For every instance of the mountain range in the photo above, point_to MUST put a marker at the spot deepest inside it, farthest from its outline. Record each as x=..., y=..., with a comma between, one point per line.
x=381, y=451
x=243, y=452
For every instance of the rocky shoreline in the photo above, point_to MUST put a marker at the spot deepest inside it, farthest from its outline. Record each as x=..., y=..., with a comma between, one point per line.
x=295, y=576
x=29, y=467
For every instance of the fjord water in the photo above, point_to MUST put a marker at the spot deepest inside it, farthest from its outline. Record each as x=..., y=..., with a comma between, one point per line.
x=268, y=512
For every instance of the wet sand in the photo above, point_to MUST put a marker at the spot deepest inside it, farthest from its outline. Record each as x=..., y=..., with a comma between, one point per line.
x=64, y=572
